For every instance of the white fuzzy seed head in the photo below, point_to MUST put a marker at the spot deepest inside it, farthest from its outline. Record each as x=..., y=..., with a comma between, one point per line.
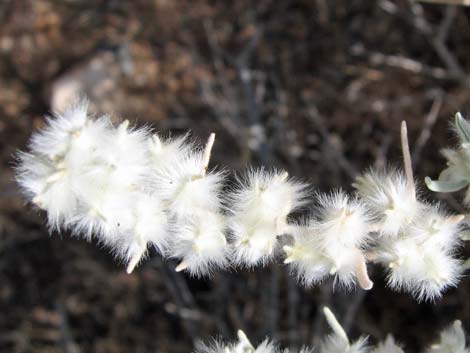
x=88, y=174
x=200, y=242
x=388, y=346
x=183, y=182
x=267, y=195
x=424, y=271
x=54, y=139
x=243, y=345
x=305, y=256
x=343, y=222
x=259, y=207
x=438, y=228
x=387, y=195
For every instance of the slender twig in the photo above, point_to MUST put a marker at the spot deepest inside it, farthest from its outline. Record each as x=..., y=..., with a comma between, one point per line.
x=407, y=159
x=207, y=154
x=429, y=122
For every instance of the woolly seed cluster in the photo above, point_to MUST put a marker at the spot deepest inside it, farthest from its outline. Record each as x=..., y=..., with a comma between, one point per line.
x=132, y=189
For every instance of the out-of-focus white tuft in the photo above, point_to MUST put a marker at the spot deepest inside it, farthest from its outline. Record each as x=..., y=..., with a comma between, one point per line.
x=199, y=241
x=259, y=207
x=338, y=341
x=388, y=346
x=452, y=340
x=243, y=345
x=387, y=196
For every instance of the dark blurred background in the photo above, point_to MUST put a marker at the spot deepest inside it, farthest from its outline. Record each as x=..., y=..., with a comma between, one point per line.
x=318, y=87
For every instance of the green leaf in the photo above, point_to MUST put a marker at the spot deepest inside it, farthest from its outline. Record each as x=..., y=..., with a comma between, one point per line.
x=463, y=129
x=465, y=235
x=445, y=186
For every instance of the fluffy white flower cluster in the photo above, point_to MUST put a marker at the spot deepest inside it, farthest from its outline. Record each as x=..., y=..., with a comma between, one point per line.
x=332, y=243
x=132, y=189
x=415, y=240
x=261, y=203
x=128, y=188
x=387, y=223
x=452, y=340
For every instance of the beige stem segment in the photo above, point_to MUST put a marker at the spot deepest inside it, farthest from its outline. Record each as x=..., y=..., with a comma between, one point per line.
x=456, y=219
x=244, y=345
x=334, y=324
x=207, y=154
x=407, y=159
x=183, y=265
x=157, y=143
x=361, y=273
x=135, y=260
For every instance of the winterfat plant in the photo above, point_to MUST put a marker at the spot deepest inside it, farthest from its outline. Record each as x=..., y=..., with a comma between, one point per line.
x=452, y=340
x=388, y=346
x=416, y=241
x=132, y=189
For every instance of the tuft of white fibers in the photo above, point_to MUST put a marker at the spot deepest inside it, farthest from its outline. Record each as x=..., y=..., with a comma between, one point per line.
x=438, y=228
x=88, y=174
x=259, y=207
x=344, y=222
x=338, y=341
x=423, y=269
x=388, y=346
x=387, y=195
x=342, y=232
x=334, y=345
x=149, y=227
x=192, y=197
x=199, y=240
x=48, y=186
x=164, y=152
x=452, y=340
x=305, y=256
x=243, y=345
x=54, y=139
x=183, y=181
